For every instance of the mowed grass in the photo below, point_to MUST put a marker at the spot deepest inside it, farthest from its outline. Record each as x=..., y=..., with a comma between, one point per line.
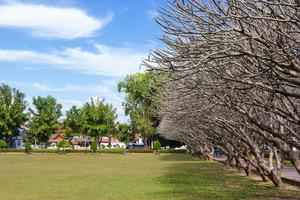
x=134, y=176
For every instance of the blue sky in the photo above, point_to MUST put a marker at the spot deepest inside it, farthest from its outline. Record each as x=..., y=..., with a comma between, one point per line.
x=75, y=49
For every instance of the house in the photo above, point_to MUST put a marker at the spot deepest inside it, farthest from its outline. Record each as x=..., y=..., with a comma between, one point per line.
x=18, y=139
x=55, y=139
x=114, y=142
x=81, y=141
x=105, y=139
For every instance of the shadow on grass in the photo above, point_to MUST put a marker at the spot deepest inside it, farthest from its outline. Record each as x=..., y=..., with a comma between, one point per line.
x=210, y=180
x=177, y=157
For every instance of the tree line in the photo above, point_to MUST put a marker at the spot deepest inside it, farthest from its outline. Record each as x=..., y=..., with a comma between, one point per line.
x=229, y=78
x=95, y=118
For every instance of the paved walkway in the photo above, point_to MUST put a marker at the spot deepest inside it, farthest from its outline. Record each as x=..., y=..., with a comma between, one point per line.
x=290, y=173
x=287, y=172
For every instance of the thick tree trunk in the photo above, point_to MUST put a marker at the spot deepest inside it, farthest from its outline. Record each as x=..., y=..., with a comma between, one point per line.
x=279, y=162
x=275, y=179
x=260, y=172
x=109, y=141
x=238, y=163
x=9, y=141
x=146, y=142
x=248, y=169
x=271, y=155
x=98, y=141
x=70, y=142
x=229, y=161
x=207, y=156
x=264, y=169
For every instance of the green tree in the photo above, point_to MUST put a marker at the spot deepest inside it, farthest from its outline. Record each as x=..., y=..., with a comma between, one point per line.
x=157, y=146
x=12, y=111
x=72, y=123
x=2, y=144
x=63, y=144
x=27, y=147
x=94, y=147
x=44, y=120
x=140, y=91
x=98, y=119
x=124, y=134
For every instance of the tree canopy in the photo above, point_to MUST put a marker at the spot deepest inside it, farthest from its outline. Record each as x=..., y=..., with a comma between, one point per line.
x=72, y=122
x=140, y=89
x=124, y=132
x=98, y=118
x=12, y=111
x=44, y=117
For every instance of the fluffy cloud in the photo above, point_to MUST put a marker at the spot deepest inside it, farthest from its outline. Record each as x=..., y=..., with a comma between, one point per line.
x=107, y=61
x=82, y=88
x=50, y=22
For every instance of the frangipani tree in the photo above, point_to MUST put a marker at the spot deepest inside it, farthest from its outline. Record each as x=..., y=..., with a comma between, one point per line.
x=232, y=79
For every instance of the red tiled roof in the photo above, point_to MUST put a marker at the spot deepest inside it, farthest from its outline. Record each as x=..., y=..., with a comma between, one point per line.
x=56, y=137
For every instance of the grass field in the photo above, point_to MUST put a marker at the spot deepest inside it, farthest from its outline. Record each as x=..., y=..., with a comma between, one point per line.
x=134, y=176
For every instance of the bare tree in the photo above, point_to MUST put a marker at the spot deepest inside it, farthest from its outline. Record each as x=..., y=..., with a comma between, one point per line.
x=231, y=79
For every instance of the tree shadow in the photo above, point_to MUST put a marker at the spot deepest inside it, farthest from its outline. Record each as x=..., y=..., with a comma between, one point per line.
x=209, y=180
x=177, y=157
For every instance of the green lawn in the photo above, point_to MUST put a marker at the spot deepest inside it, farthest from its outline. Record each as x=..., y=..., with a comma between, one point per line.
x=134, y=176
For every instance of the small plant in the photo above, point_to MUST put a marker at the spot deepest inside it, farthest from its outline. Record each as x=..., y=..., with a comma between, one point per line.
x=2, y=144
x=63, y=144
x=94, y=147
x=28, y=147
x=157, y=147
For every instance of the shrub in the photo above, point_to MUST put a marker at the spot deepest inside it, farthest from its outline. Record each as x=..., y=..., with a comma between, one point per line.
x=2, y=144
x=27, y=147
x=63, y=144
x=157, y=146
x=117, y=151
x=12, y=150
x=44, y=151
x=94, y=147
x=78, y=150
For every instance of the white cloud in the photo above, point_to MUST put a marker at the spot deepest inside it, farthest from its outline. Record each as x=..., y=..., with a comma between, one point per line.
x=71, y=88
x=50, y=22
x=107, y=61
x=81, y=88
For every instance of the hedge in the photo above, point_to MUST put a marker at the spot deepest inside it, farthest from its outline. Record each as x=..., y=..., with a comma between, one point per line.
x=113, y=151
x=140, y=151
x=12, y=150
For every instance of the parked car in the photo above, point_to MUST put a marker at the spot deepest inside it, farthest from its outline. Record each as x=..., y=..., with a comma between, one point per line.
x=38, y=146
x=114, y=145
x=135, y=146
